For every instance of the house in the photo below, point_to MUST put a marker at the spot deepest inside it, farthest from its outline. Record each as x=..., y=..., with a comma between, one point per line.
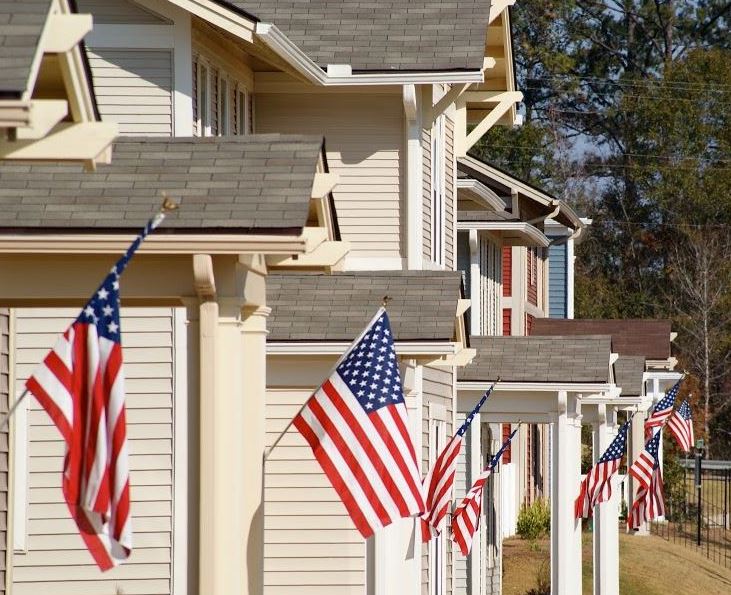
x=224, y=107
x=47, y=109
x=320, y=155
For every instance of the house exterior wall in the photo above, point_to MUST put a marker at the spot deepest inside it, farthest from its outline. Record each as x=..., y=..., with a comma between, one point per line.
x=55, y=559
x=364, y=141
x=450, y=196
x=557, y=280
x=438, y=415
x=134, y=87
x=4, y=450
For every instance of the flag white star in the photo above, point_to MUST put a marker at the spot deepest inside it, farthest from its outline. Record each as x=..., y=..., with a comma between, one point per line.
x=113, y=327
x=382, y=399
x=108, y=310
x=115, y=285
x=89, y=311
x=102, y=293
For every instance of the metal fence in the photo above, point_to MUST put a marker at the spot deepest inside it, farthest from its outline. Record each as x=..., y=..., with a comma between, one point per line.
x=697, y=506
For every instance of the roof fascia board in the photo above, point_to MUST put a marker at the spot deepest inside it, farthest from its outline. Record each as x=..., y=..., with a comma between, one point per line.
x=278, y=42
x=595, y=387
x=65, y=31
x=532, y=234
x=485, y=195
x=523, y=188
x=86, y=141
x=155, y=244
x=220, y=16
x=498, y=6
x=415, y=348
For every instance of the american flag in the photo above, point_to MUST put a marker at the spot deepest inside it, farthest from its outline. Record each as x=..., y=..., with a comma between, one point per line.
x=662, y=410
x=466, y=517
x=80, y=384
x=440, y=479
x=357, y=426
x=649, y=502
x=597, y=485
x=680, y=425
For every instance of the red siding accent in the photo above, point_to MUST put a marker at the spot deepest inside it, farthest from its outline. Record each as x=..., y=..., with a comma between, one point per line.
x=506, y=434
x=506, y=322
x=507, y=271
x=529, y=319
x=532, y=272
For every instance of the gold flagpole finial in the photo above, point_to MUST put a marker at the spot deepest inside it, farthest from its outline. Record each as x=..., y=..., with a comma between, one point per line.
x=386, y=299
x=168, y=204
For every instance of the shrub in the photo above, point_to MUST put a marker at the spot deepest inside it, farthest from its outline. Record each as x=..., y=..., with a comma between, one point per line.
x=534, y=521
x=543, y=580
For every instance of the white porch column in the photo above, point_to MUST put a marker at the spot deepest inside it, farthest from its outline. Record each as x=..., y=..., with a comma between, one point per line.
x=565, y=478
x=475, y=283
x=233, y=382
x=395, y=552
x=606, y=527
x=637, y=443
x=413, y=178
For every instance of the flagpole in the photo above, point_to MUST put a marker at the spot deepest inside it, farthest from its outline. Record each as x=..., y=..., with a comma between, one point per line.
x=166, y=207
x=385, y=301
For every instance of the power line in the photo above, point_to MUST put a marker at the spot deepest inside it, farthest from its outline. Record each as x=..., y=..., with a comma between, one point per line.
x=723, y=159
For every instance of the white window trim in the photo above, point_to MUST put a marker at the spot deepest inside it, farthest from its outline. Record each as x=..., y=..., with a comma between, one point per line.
x=204, y=107
x=242, y=115
x=224, y=117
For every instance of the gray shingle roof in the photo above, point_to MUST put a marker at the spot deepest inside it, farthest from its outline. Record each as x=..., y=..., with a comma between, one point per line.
x=628, y=371
x=382, y=35
x=21, y=24
x=233, y=184
x=539, y=359
x=336, y=307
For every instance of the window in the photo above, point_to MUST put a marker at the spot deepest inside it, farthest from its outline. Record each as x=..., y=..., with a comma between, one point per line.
x=242, y=115
x=438, y=247
x=221, y=104
x=204, y=102
x=224, y=113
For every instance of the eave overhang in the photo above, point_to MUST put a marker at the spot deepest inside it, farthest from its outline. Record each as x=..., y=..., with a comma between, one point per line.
x=55, y=118
x=494, y=101
x=512, y=233
x=479, y=193
x=577, y=387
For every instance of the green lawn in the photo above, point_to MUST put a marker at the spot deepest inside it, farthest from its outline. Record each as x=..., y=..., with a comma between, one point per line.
x=648, y=566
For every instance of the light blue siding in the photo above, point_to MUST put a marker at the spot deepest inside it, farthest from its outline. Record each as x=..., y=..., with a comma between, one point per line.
x=557, y=279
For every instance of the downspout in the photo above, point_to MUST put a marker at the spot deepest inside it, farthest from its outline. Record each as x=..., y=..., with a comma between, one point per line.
x=413, y=178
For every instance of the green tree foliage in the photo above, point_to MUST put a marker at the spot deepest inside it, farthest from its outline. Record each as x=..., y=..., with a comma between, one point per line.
x=626, y=110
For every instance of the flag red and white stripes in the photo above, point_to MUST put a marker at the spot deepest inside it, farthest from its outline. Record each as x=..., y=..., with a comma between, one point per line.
x=356, y=424
x=466, y=517
x=649, y=502
x=597, y=485
x=80, y=384
x=662, y=410
x=680, y=425
x=439, y=482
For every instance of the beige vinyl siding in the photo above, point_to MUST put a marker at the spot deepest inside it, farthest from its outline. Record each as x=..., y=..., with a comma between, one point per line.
x=310, y=543
x=462, y=483
x=450, y=195
x=114, y=12
x=364, y=138
x=134, y=89
x=4, y=451
x=437, y=388
x=57, y=561
x=426, y=192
